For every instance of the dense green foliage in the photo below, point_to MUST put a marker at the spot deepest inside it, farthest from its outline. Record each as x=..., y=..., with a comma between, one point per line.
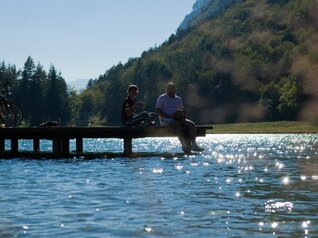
x=42, y=96
x=256, y=62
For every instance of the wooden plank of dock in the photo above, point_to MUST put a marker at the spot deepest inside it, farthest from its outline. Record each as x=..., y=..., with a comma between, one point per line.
x=61, y=136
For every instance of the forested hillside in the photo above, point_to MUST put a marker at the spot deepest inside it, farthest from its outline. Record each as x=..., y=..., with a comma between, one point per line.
x=257, y=61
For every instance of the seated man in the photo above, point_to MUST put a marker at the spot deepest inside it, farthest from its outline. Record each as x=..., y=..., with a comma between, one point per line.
x=128, y=116
x=169, y=107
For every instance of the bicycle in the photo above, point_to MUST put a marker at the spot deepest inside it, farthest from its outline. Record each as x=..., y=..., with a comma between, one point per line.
x=10, y=113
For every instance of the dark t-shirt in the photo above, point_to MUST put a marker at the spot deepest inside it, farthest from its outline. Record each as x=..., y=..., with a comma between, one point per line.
x=128, y=104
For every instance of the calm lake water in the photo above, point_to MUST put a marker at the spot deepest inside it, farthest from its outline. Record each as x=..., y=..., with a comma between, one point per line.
x=240, y=186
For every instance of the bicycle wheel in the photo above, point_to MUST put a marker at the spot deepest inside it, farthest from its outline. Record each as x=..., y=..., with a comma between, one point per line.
x=18, y=114
x=11, y=114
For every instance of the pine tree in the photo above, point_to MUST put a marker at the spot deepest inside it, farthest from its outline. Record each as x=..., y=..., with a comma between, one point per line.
x=2, y=72
x=57, y=98
x=23, y=92
x=37, y=112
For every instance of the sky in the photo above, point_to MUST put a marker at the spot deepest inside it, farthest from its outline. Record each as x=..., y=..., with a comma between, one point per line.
x=84, y=38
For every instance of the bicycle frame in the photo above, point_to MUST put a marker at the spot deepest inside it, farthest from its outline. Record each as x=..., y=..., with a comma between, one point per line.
x=10, y=114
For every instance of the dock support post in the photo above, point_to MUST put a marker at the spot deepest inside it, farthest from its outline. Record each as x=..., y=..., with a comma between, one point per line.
x=65, y=146
x=56, y=146
x=14, y=145
x=61, y=146
x=2, y=144
x=127, y=145
x=36, y=144
x=79, y=145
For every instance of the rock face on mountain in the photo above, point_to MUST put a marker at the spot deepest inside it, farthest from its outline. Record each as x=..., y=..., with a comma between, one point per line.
x=205, y=9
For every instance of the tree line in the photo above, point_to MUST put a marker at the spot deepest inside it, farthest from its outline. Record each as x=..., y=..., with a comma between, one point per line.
x=256, y=62
x=42, y=96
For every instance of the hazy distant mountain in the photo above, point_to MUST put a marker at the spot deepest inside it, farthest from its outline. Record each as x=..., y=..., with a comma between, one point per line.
x=79, y=84
x=205, y=9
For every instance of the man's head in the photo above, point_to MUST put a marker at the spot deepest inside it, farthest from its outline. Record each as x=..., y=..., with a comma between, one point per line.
x=132, y=90
x=171, y=89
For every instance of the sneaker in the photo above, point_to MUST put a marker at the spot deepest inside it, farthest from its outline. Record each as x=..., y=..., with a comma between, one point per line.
x=152, y=123
x=195, y=147
x=147, y=122
x=142, y=124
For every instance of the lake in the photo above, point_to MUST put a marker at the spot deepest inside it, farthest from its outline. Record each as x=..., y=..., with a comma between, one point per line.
x=240, y=186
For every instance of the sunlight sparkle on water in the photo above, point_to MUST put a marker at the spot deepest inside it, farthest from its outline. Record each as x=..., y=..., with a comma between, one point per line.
x=274, y=225
x=261, y=224
x=230, y=157
x=148, y=229
x=279, y=165
x=157, y=171
x=286, y=180
x=240, y=186
x=181, y=212
x=273, y=206
x=305, y=224
x=178, y=167
x=314, y=177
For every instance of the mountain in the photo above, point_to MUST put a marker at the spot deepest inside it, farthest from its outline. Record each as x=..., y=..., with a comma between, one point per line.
x=203, y=9
x=256, y=60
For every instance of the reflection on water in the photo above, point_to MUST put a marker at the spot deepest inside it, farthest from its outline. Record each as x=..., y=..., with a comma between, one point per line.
x=273, y=206
x=240, y=186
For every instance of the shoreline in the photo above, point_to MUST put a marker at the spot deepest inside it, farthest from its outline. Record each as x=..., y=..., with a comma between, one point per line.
x=279, y=127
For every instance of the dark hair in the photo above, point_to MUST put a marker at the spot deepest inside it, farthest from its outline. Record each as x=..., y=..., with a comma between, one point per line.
x=132, y=87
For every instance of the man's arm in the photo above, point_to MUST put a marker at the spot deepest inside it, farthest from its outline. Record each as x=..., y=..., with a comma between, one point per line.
x=162, y=114
x=130, y=111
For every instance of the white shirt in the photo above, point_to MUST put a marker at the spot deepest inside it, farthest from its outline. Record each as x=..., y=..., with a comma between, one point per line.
x=168, y=105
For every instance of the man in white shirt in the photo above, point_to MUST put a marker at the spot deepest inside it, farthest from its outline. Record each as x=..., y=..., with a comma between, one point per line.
x=171, y=113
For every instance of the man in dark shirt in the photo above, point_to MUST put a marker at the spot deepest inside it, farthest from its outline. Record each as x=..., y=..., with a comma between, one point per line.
x=128, y=116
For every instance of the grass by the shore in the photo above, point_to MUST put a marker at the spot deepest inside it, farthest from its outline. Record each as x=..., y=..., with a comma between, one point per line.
x=265, y=127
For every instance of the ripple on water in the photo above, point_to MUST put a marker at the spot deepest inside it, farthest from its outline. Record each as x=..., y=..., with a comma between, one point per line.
x=273, y=206
x=240, y=186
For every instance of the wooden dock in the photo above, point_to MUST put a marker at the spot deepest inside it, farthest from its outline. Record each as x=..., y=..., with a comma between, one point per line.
x=61, y=137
